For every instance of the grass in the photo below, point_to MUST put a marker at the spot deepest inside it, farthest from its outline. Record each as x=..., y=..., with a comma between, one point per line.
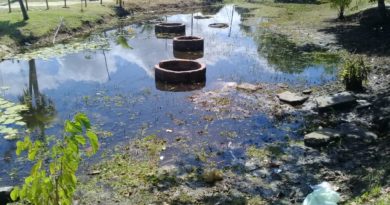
x=374, y=196
x=44, y=22
x=296, y=20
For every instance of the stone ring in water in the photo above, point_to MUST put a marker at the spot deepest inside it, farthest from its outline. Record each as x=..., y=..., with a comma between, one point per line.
x=188, y=44
x=180, y=71
x=170, y=28
x=218, y=25
x=202, y=17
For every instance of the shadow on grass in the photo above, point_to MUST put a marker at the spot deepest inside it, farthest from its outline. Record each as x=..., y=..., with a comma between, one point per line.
x=12, y=30
x=363, y=33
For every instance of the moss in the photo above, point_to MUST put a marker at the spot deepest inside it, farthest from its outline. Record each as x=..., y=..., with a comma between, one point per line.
x=257, y=201
x=222, y=101
x=130, y=173
x=265, y=153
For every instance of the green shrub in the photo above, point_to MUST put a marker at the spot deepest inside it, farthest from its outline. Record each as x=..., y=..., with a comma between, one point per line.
x=52, y=180
x=354, y=72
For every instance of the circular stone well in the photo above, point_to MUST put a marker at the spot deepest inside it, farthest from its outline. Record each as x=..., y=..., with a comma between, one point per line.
x=170, y=28
x=188, y=44
x=218, y=25
x=203, y=17
x=180, y=71
x=188, y=55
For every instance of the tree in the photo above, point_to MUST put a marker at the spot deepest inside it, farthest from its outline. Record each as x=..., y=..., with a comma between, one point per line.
x=341, y=5
x=9, y=6
x=26, y=4
x=24, y=12
x=382, y=8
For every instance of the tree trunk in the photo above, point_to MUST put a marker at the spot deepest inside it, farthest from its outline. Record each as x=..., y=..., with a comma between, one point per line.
x=85, y=3
x=341, y=12
x=47, y=4
x=382, y=8
x=65, y=4
x=26, y=5
x=24, y=12
x=9, y=6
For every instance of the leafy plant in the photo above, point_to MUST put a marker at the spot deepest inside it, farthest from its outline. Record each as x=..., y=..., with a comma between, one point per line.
x=354, y=72
x=10, y=116
x=55, y=183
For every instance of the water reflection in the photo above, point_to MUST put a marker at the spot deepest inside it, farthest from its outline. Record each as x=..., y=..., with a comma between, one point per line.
x=179, y=87
x=41, y=109
x=287, y=57
x=188, y=55
x=117, y=88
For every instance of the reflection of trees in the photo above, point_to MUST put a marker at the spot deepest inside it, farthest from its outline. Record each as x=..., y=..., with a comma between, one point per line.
x=122, y=35
x=290, y=58
x=211, y=9
x=42, y=111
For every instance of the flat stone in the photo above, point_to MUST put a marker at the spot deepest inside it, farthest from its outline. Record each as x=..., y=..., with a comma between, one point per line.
x=282, y=85
x=251, y=165
x=354, y=132
x=307, y=91
x=291, y=98
x=363, y=104
x=321, y=137
x=5, y=193
x=334, y=100
x=248, y=87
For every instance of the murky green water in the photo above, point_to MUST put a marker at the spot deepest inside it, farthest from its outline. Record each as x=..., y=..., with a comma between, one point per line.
x=115, y=87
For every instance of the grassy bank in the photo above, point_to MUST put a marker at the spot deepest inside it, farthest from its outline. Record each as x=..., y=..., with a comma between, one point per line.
x=301, y=22
x=13, y=30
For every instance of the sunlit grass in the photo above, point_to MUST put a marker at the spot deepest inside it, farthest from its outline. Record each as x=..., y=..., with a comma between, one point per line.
x=44, y=22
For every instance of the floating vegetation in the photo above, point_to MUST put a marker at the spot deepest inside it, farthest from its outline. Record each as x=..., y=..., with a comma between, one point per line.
x=94, y=43
x=9, y=117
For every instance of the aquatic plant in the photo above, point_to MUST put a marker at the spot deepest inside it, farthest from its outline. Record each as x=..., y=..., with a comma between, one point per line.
x=353, y=72
x=10, y=117
x=92, y=44
x=55, y=183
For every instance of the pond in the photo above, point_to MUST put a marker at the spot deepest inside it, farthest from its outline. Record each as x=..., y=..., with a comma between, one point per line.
x=115, y=87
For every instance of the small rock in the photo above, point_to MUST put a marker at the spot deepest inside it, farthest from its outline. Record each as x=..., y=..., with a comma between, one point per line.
x=5, y=193
x=168, y=170
x=291, y=98
x=334, y=100
x=248, y=87
x=321, y=138
x=251, y=165
x=362, y=104
x=94, y=172
x=355, y=132
x=282, y=85
x=307, y=91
